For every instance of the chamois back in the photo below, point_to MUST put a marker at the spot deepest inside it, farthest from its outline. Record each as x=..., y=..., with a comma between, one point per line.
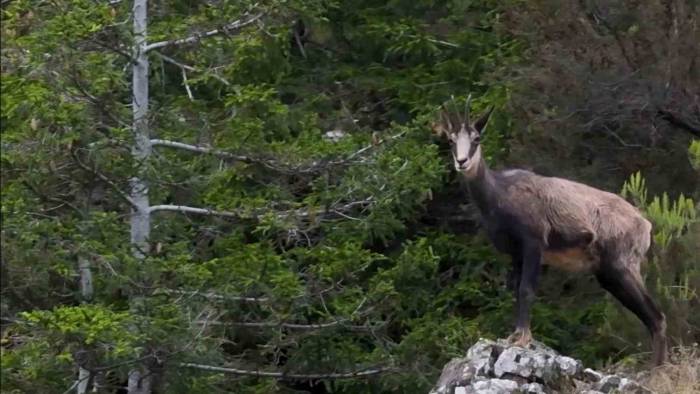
x=574, y=222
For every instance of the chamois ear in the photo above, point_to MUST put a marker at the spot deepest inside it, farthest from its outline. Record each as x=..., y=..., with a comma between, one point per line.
x=480, y=123
x=437, y=129
x=443, y=126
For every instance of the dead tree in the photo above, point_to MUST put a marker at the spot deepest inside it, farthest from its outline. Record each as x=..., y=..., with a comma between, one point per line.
x=545, y=220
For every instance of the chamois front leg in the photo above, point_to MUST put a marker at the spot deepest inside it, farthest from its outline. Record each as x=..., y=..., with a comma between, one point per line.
x=525, y=296
x=513, y=279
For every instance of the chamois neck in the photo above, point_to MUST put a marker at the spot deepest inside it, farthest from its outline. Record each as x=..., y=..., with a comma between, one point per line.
x=481, y=185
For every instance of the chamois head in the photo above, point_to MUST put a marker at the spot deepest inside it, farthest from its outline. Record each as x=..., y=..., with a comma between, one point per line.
x=463, y=135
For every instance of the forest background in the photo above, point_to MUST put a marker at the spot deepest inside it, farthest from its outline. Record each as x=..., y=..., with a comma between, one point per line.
x=273, y=213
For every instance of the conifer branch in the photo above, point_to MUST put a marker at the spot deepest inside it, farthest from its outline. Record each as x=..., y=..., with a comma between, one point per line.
x=284, y=375
x=235, y=25
x=311, y=168
x=190, y=68
x=293, y=326
x=201, y=149
x=298, y=213
x=104, y=179
x=272, y=324
x=197, y=211
x=215, y=296
x=679, y=122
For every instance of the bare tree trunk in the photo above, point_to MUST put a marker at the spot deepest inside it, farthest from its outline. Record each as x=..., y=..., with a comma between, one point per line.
x=86, y=289
x=85, y=377
x=84, y=380
x=140, y=382
x=141, y=151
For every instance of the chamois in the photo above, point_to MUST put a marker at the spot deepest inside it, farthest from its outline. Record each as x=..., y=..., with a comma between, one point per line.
x=545, y=220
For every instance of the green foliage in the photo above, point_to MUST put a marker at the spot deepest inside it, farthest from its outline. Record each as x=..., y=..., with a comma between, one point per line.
x=33, y=367
x=55, y=338
x=674, y=272
x=635, y=188
x=670, y=218
x=694, y=153
x=89, y=325
x=339, y=256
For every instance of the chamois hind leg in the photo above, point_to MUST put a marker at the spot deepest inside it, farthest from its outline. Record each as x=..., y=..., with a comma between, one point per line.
x=525, y=294
x=624, y=282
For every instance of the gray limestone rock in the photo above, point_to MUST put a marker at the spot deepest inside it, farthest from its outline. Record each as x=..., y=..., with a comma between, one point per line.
x=609, y=383
x=569, y=366
x=617, y=384
x=631, y=387
x=591, y=375
x=496, y=367
x=494, y=386
x=532, y=388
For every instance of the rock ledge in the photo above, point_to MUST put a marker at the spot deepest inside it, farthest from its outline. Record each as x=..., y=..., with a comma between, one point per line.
x=497, y=367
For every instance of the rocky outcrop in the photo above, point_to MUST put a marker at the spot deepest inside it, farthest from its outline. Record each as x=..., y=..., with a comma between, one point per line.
x=496, y=367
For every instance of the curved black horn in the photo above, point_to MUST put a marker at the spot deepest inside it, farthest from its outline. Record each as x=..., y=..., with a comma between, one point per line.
x=466, y=109
x=454, y=106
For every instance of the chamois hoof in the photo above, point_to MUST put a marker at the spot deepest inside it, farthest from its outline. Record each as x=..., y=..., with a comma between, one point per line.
x=520, y=338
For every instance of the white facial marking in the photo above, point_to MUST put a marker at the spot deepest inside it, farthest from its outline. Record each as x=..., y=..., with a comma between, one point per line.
x=462, y=146
x=472, y=165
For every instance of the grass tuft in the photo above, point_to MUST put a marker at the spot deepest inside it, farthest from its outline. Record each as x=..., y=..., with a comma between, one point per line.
x=681, y=376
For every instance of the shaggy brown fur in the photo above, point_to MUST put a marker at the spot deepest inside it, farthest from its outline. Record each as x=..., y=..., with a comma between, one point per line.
x=559, y=210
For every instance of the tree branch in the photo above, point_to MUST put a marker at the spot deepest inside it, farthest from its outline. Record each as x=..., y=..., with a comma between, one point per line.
x=45, y=198
x=284, y=375
x=198, y=36
x=291, y=326
x=101, y=106
x=187, y=85
x=285, y=169
x=299, y=213
x=288, y=169
x=104, y=179
x=678, y=122
x=214, y=296
x=201, y=149
x=198, y=211
x=190, y=68
x=118, y=51
x=265, y=324
x=312, y=168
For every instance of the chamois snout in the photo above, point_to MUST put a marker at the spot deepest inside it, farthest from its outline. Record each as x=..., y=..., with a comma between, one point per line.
x=463, y=148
